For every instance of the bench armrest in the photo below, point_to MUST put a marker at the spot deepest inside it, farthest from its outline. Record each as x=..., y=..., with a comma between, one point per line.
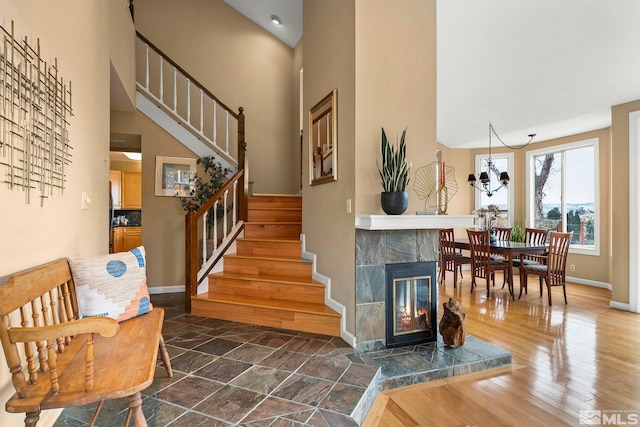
x=104, y=326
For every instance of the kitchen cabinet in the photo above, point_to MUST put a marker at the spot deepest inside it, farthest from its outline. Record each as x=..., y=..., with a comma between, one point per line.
x=131, y=238
x=131, y=190
x=126, y=238
x=115, y=178
x=118, y=243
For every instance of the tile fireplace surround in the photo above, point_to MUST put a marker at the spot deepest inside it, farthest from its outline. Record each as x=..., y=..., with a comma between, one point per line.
x=390, y=239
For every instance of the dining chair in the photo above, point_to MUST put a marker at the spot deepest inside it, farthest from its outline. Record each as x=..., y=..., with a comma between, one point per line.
x=482, y=265
x=552, y=268
x=450, y=259
x=501, y=233
x=533, y=236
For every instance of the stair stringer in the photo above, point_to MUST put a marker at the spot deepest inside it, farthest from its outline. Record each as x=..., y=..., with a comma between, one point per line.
x=171, y=125
x=347, y=336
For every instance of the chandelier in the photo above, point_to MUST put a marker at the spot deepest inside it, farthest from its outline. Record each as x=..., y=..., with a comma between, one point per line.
x=491, y=169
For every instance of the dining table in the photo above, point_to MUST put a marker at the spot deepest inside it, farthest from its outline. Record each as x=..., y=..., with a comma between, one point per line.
x=509, y=250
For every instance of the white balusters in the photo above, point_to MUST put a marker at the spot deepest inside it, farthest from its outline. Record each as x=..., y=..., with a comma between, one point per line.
x=184, y=116
x=205, y=232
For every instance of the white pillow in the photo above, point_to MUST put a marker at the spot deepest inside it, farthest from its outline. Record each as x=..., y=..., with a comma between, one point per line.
x=113, y=285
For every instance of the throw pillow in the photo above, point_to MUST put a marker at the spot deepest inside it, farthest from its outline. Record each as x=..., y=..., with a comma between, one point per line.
x=113, y=285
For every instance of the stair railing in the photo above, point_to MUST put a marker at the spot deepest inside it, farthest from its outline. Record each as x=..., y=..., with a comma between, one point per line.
x=206, y=239
x=175, y=91
x=202, y=113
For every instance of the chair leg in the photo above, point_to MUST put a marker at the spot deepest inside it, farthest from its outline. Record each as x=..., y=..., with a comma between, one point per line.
x=31, y=419
x=540, y=286
x=460, y=267
x=135, y=409
x=165, y=356
x=548, y=292
x=564, y=291
x=455, y=277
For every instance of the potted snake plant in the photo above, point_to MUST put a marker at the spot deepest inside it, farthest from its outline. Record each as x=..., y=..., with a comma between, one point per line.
x=394, y=175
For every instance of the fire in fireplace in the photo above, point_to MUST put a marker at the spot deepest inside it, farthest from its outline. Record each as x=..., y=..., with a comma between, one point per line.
x=411, y=303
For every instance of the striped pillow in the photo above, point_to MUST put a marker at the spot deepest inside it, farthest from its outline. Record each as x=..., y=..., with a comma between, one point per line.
x=113, y=285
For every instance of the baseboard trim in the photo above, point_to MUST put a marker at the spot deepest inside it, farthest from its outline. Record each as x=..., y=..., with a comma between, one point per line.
x=333, y=304
x=620, y=305
x=165, y=289
x=587, y=282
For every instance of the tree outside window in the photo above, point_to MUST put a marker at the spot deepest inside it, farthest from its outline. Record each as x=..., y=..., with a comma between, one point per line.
x=564, y=192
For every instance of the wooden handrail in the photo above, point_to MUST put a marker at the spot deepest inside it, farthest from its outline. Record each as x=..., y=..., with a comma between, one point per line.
x=191, y=229
x=190, y=77
x=241, y=191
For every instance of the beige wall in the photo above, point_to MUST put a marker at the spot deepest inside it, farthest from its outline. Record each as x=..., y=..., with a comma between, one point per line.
x=243, y=65
x=329, y=55
x=381, y=81
x=619, y=204
x=395, y=88
x=162, y=217
x=77, y=34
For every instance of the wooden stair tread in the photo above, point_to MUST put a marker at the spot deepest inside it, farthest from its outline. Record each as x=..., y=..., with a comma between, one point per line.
x=300, y=307
x=276, y=195
x=276, y=208
x=287, y=280
x=269, y=239
x=270, y=258
x=273, y=223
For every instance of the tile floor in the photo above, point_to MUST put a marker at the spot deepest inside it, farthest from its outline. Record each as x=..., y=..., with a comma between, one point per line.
x=228, y=374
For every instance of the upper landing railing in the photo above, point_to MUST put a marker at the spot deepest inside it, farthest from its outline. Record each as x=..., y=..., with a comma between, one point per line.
x=197, y=109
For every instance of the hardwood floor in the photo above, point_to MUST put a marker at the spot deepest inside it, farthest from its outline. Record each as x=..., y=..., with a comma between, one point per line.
x=566, y=359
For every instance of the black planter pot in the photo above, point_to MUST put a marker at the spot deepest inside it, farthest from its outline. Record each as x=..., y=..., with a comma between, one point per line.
x=394, y=202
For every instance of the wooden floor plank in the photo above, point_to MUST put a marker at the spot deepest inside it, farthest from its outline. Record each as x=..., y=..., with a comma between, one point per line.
x=566, y=358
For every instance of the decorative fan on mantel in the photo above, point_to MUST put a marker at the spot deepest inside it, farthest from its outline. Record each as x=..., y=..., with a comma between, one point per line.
x=425, y=184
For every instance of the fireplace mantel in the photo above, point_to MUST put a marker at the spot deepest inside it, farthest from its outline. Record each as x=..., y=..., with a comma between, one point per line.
x=412, y=222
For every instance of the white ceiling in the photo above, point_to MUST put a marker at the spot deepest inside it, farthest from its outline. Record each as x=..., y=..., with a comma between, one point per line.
x=549, y=67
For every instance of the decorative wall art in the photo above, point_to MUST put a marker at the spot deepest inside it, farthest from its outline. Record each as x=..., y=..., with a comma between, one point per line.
x=323, y=144
x=174, y=176
x=35, y=106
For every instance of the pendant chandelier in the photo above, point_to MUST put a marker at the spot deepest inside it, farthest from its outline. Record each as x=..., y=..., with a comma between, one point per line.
x=491, y=169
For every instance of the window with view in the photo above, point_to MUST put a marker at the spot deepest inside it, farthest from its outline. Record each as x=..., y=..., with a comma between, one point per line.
x=562, y=184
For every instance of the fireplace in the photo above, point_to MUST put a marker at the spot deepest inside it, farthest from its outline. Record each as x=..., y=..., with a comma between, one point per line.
x=411, y=304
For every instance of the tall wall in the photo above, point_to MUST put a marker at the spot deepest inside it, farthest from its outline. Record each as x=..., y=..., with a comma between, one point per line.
x=244, y=66
x=76, y=32
x=366, y=50
x=619, y=201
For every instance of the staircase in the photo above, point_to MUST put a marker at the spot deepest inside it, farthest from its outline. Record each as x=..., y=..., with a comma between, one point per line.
x=267, y=282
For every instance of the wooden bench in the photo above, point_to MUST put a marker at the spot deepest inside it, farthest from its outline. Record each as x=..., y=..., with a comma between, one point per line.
x=58, y=361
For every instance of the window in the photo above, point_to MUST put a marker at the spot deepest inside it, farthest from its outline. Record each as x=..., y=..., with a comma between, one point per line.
x=503, y=198
x=562, y=192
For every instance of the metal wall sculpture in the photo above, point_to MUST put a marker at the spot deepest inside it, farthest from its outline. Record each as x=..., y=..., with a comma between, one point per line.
x=35, y=105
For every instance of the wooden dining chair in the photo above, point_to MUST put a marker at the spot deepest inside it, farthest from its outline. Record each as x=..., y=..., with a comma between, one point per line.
x=482, y=265
x=552, y=268
x=532, y=236
x=450, y=259
x=501, y=233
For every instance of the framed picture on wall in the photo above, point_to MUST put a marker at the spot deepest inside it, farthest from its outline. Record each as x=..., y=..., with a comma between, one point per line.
x=174, y=176
x=323, y=144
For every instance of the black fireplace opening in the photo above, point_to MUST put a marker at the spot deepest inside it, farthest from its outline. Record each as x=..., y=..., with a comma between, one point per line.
x=411, y=304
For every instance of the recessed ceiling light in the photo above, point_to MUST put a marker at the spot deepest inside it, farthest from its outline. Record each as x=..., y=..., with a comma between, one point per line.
x=133, y=156
x=276, y=19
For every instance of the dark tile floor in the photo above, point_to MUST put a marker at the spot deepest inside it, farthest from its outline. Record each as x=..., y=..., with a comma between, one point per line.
x=228, y=373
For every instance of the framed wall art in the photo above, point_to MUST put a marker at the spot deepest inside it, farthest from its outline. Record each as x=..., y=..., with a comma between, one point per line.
x=174, y=176
x=323, y=142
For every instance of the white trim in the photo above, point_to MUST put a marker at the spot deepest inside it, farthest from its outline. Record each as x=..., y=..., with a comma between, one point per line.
x=595, y=142
x=588, y=282
x=634, y=211
x=510, y=171
x=165, y=289
x=619, y=305
x=412, y=222
x=333, y=304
